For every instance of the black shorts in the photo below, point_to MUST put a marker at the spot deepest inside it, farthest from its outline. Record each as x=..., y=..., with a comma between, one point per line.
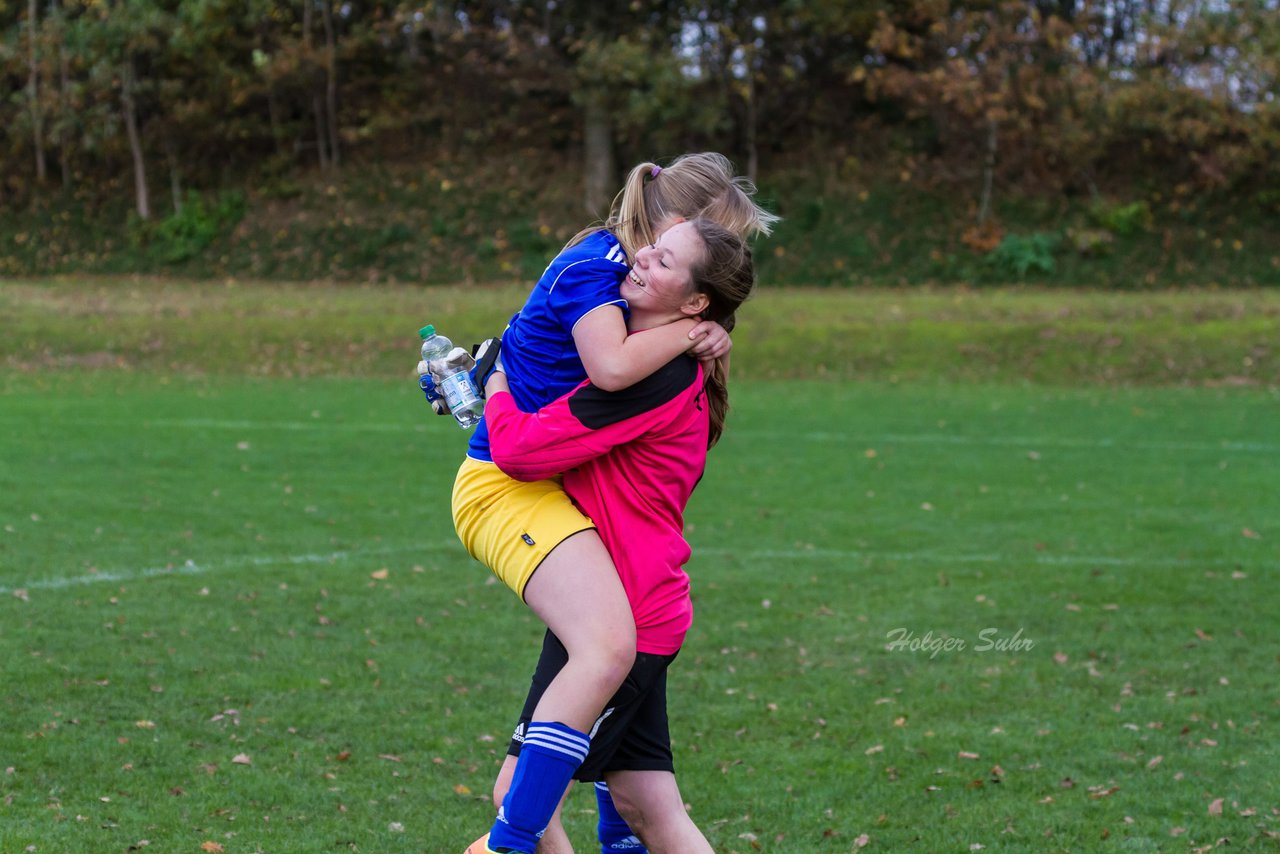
x=632, y=733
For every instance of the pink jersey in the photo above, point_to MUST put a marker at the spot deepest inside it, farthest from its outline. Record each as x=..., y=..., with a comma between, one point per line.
x=630, y=460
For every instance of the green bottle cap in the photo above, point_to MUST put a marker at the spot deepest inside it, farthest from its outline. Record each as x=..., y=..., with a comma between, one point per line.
x=426, y=331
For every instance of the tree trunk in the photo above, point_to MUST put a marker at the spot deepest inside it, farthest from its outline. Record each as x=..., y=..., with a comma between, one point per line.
x=331, y=81
x=64, y=86
x=141, y=195
x=175, y=175
x=600, y=168
x=321, y=146
x=273, y=114
x=33, y=90
x=753, y=150
x=988, y=173
x=316, y=109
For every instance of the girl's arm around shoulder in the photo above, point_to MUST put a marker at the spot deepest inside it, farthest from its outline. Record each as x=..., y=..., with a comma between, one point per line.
x=615, y=360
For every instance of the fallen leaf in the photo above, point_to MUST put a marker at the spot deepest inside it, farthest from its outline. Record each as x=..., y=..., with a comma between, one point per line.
x=861, y=842
x=1061, y=657
x=380, y=574
x=879, y=748
x=461, y=789
x=1253, y=535
x=390, y=757
x=241, y=759
x=1155, y=760
x=343, y=756
x=964, y=754
x=1215, y=808
x=211, y=846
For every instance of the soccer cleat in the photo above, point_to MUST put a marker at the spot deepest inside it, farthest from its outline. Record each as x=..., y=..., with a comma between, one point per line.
x=480, y=846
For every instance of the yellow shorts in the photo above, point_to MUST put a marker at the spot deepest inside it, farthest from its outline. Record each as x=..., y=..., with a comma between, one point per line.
x=511, y=526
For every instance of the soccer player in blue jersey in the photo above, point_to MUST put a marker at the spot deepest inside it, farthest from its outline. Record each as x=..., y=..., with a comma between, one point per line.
x=573, y=327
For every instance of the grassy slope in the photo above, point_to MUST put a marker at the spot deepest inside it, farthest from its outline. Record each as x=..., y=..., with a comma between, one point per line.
x=499, y=220
x=1043, y=336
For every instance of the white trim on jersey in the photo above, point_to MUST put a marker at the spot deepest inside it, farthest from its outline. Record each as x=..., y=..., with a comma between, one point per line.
x=621, y=303
x=608, y=257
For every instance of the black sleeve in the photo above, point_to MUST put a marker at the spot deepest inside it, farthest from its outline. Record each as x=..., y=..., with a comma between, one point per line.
x=596, y=408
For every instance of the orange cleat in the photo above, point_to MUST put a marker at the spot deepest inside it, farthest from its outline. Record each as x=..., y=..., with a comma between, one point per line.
x=480, y=846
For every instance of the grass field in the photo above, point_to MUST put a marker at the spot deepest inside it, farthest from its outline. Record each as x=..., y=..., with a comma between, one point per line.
x=233, y=612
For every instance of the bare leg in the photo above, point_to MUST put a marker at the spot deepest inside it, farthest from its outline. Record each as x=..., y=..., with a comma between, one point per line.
x=650, y=802
x=555, y=840
x=576, y=592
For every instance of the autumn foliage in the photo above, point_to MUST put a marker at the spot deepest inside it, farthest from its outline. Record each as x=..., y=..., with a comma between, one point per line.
x=148, y=99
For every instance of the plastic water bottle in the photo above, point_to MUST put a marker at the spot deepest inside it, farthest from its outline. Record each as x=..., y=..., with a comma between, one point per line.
x=450, y=368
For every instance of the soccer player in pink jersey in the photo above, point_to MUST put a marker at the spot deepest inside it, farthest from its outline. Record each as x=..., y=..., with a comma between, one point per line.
x=630, y=460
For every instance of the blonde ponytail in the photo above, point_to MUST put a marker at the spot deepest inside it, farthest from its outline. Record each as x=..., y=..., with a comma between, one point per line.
x=700, y=185
x=628, y=220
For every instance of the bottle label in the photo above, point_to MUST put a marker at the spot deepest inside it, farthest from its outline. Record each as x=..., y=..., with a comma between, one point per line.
x=459, y=392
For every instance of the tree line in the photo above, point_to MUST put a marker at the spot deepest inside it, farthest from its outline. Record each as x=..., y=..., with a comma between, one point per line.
x=154, y=98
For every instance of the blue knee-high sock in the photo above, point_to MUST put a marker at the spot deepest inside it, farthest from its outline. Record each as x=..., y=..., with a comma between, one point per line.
x=614, y=833
x=551, y=753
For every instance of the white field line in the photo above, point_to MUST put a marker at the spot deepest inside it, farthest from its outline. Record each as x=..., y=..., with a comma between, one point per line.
x=1027, y=442
x=944, y=557
x=190, y=567
x=861, y=439
x=193, y=568
x=239, y=424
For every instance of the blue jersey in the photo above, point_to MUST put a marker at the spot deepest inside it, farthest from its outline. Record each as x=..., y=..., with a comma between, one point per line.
x=538, y=351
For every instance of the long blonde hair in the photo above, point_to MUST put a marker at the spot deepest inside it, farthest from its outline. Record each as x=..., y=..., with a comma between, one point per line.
x=699, y=185
x=725, y=275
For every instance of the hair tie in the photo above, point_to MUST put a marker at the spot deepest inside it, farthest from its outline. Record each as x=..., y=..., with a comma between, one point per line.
x=653, y=173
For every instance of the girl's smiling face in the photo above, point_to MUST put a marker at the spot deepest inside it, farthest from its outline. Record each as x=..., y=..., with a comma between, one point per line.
x=660, y=280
